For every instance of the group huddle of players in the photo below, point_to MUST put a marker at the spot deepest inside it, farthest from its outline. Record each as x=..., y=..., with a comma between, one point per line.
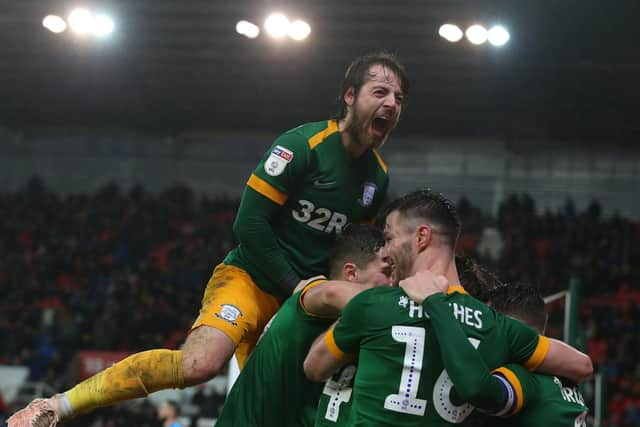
x=402, y=359
x=389, y=334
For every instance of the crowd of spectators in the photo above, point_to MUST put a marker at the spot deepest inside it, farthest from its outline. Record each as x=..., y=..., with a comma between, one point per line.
x=125, y=271
x=109, y=271
x=602, y=253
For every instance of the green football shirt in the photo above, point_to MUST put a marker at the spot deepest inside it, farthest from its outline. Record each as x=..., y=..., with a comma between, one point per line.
x=526, y=399
x=401, y=379
x=272, y=389
x=320, y=188
x=334, y=407
x=540, y=400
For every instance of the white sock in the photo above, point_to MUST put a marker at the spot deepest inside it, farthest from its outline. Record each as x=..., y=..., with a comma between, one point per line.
x=65, y=405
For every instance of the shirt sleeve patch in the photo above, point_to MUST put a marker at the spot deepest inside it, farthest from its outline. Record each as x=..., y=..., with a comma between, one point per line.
x=278, y=160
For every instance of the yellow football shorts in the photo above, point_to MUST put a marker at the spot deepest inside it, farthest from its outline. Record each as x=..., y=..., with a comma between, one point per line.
x=235, y=305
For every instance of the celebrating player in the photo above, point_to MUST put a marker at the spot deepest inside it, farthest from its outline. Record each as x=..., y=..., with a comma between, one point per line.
x=401, y=380
x=334, y=407
x=272, y=389
x=528, y=399
x=314, y=180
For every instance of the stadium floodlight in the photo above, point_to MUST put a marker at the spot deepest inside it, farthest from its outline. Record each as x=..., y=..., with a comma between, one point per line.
x=276, y=25
x=451, y=32
x=498, y=35
x=299, y=30
x=54, y=23
x=81, y=21
x=102, y=25
x=476, y=34
x=248, y=29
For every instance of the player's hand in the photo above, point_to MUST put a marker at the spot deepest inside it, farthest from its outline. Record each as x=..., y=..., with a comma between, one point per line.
x=423, y=284
x=302, y=283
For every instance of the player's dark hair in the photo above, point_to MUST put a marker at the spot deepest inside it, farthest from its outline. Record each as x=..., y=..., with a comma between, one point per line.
x=430, y=207
x=476, y=279
x=358, y=243
x=357, y=75
x=520, y=300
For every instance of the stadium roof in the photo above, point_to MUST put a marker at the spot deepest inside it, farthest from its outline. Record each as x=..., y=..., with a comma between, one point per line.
x=570, y=70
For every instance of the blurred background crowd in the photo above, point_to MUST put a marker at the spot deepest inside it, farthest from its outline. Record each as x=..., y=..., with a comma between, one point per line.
x=125, y=270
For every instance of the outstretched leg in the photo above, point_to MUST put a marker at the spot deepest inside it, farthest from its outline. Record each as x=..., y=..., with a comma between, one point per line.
x=205, y=353
x=234, y=312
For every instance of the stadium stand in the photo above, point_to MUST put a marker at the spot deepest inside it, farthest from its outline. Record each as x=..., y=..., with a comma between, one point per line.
x=77, y=270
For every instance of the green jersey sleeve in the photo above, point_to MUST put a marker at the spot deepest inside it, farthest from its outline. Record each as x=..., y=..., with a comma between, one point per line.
x=540, y=400
x=284, y=164
x=520, y=386
x=527, y=346
x=469, y=373
x=343, y=339
x=278, y=174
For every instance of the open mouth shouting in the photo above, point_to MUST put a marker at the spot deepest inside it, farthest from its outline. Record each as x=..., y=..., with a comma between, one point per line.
x=380, y=126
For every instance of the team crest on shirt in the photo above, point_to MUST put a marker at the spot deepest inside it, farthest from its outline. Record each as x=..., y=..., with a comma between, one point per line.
x=278, y=160
x=368, y=193
x=229, y=313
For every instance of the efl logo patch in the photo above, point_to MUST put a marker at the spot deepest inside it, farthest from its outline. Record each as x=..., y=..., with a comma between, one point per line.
x=368, y=193
x=229, y=313
x=278, y=160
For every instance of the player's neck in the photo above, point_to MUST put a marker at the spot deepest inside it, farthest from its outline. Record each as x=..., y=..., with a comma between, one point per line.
x=350, y=141
x=452, y=273
x=439, y=262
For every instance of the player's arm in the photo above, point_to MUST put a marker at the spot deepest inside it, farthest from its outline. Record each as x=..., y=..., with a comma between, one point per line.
x=324, y=357
x=469, y=373
x=337, y=346
x=266, y=192
x=565, y=361
x=328, y=298
x=502, y=392
x=547, y=356
x=520, y=387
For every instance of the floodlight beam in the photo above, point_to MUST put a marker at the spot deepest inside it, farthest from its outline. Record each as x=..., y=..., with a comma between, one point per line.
x=81, y=21
x=476, y=34
x=54, y=23
x=277, y=25
x=498, y=35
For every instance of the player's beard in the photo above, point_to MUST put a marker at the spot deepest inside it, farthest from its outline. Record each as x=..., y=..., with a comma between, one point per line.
x=358, y=128
x=402, y=262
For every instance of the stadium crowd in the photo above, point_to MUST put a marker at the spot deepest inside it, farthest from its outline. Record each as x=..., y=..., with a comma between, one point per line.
x=77, y=270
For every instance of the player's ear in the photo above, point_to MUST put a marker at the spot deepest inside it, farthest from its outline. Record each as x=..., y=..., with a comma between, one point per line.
x=349, y=272
x=424, y=235
x=349, y=96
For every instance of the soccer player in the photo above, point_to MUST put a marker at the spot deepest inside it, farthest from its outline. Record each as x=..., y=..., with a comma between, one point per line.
x=334, y=406
x=401, y=380
x=313, y=180
x=272, y=389
x=527, y=399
